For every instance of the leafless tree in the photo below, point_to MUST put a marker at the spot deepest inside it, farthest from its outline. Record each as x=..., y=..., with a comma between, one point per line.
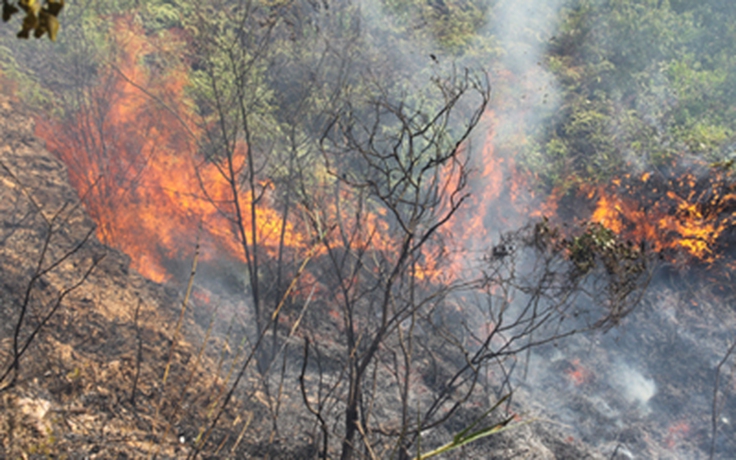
x=337, y=170
x=47, y=232
x=406, y=164
x=370, y=163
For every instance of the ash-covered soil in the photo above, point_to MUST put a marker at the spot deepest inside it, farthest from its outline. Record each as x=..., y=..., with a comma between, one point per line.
x=91, y=337
x=648, y=388
x=85, y=344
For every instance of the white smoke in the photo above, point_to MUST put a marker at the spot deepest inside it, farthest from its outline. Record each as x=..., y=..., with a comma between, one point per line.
x=633, y=385
x=524, y=29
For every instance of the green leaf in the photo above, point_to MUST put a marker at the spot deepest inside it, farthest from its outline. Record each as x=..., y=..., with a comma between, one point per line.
x=8, y=11
x=29, y=6
x=467, y=435
x=46, y=23
x=459, y=436
x=53, y=7
x=53, y=27
x=42, y=26
x=29, y=23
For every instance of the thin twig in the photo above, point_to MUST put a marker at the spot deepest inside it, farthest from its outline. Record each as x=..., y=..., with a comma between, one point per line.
x=714, y=410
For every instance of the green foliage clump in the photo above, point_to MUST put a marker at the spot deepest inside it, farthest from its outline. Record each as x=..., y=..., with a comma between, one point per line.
x=599, y=254
x=600, y=242
x=454, y=24
x=642, y=82
x=39, y=18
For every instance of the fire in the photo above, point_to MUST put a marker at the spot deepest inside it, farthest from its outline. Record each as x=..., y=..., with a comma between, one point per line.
x=202, y=295
x=499, y=200
x=578, y=374
x=132, y=156
x=682, y=215
x=131, y=152
x=676, y=433
x=131, y=161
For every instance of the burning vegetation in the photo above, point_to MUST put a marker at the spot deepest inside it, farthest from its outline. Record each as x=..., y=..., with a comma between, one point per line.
x=357, y=210
x=688, y=215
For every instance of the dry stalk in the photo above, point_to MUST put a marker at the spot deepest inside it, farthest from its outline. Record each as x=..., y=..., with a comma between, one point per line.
x=184, y=303
x=714, y=412
x=139, y=353
x=177, y=329
x=177, y=405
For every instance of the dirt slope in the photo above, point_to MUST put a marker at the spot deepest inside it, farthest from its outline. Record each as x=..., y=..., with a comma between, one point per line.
x=89, y=382
x=85, y=341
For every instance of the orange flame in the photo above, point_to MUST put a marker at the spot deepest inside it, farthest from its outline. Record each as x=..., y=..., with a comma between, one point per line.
x=131, y=153
x=678, y=220
x=131, y=161
x=134, y=162
x=578, y=374
x=494, y=180
x=676, y=433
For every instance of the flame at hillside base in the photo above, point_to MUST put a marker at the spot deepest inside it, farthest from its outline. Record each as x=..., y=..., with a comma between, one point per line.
x=678, y=216
x=132, y=155
x=134, y=162
x=130, y=159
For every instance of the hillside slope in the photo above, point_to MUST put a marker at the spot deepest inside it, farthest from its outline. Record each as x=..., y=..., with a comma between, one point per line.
x=85, y=341
x=97, y=333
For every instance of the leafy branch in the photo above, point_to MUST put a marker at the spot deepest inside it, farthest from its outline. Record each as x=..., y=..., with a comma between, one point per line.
x=467, y=435
x=40, y=18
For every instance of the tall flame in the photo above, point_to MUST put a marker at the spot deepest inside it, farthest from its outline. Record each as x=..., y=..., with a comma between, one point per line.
x=131, y=154
x=131, y=160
